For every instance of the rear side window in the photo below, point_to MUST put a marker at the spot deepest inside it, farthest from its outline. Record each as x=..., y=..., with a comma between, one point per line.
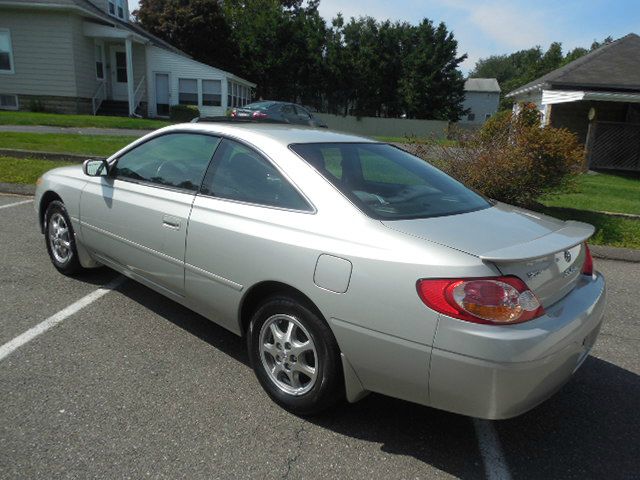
x=387, y=183
x=173, y=160
x=262, y=106
x=242, y=174
x=302, y=113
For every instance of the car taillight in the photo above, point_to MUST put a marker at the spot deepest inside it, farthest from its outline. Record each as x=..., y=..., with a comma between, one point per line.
x=259, y=115
x=587, y=267
x=234, y=113
x=492, y=300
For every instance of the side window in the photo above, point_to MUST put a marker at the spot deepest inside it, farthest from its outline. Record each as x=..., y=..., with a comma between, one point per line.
x=187, y=91
x=240, y=173
x=302, y=113
x=174, y=160
x=287, y=109
x=326, y=159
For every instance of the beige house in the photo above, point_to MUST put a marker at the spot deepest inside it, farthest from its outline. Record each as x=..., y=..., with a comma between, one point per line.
x=86, y=56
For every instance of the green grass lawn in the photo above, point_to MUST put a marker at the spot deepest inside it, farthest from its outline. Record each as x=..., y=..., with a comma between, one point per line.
x=25, y=170
x=60, y=120
x=102, y=145
x=600, y=192
x=611, y=231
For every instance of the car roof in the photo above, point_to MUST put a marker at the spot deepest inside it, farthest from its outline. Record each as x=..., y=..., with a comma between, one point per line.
x=283, y=134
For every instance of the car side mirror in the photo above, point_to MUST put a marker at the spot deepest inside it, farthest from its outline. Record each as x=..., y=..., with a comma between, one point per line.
x=95, y=168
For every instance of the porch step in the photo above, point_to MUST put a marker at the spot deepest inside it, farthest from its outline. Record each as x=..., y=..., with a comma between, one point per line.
x=114, y=108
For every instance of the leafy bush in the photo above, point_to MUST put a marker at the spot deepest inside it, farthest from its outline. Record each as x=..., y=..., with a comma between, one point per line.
x=183, y=113
x=36, y=105
x=514, y=160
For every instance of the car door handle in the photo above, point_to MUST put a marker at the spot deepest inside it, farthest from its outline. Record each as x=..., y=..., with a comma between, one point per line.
x=171, y=222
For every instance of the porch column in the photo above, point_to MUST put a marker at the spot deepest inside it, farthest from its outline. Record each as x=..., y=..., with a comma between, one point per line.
x=224, y=92
x=130, y=86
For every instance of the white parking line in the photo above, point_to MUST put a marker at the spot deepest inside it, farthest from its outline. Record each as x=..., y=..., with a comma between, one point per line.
x=54, y=320
x=14, y=204
x=495, y=464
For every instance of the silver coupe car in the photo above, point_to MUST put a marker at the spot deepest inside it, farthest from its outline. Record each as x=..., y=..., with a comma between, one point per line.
x=348, y=265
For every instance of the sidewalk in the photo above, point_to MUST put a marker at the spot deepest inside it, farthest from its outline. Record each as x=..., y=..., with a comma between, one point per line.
x=74, y=130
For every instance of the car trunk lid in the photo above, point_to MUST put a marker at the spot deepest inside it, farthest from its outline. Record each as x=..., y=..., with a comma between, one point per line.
x=546, y=253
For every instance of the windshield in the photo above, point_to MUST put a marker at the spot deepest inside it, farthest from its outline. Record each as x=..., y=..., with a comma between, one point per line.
x=258, y=105
x=388, y=183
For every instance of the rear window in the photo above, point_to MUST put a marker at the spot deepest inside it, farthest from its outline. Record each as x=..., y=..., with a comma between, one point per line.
x=388, y=183
x=258, y=105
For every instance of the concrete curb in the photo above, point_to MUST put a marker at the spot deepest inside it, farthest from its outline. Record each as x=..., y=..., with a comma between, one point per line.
x=17, y=189
x=614, y=253
x=115, y=132
x=55, y=156
x=632, y=216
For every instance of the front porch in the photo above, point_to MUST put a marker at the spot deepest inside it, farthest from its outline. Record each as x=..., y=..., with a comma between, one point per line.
x=120, y=58
x=607, y=122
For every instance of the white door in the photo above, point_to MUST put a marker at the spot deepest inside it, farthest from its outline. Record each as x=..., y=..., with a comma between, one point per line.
x=119, y=74
x=162, y=94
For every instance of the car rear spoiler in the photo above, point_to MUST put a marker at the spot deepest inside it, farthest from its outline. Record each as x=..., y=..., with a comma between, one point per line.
x=568, y=236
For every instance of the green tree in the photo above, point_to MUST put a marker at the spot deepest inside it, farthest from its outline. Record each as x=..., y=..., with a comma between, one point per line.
x=432, y=86
x=280, y=46
x=337, y=82
x=197, y=27
x=360, y=67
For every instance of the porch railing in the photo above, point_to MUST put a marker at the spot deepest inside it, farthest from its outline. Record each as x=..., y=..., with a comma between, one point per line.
x=138, y=94
x=614, y=146
x=98, y=97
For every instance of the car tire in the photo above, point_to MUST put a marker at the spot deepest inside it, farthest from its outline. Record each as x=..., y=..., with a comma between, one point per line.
x=60, y=239
x=295, y=356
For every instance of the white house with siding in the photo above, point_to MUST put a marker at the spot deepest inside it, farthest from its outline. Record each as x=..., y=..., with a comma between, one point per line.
x=85, y=56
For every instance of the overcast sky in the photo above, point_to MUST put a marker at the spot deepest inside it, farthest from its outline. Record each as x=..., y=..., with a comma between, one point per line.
x=490, y=27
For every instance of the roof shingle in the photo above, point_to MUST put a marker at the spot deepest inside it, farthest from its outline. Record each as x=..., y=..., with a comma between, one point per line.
x=481, y=85
x=614, y=66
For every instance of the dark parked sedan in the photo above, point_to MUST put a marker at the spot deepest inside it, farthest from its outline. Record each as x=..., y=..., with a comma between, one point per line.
x=285, y=112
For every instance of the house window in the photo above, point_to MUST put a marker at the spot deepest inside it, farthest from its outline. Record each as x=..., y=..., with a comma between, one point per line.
x=243, y=96
x=487, y=116
x=99, y=62
x=471, y=117
x=121, y=9
x=9, y=102
x=121, y=67
x=229, y=94
x=212, y=93
x=112, y=7
x=6, y=52
x=187, y=91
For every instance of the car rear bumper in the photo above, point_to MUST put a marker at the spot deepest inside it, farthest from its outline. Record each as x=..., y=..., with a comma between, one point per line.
x=501, y=372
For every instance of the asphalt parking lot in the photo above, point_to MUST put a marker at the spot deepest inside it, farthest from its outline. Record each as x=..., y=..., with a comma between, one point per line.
x=134, y=385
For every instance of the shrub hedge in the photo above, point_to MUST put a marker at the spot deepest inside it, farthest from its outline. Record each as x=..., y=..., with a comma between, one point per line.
x=511, y=158
x=183, y=113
